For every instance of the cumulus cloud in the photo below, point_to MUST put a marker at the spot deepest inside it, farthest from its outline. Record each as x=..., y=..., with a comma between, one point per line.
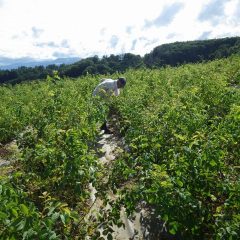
x=47, y=44
x=36, y=32
x=43, y=31
x=60, y=55
x=65, y=43
x=205, y=35
x=134, y=42
x=213, y=12
x=171, y=35
x=114, y=41
x=237, y=13
x=166, y=17
x=151, y=42
x=129, y=29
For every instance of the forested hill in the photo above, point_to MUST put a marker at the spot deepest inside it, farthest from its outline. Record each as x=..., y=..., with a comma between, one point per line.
x=192, y=51
x=171, y=54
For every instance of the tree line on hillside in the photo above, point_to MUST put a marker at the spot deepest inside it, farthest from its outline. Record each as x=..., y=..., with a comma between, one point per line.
x=171, y=54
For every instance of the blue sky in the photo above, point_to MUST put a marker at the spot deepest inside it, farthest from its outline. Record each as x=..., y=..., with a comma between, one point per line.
x=45, y=29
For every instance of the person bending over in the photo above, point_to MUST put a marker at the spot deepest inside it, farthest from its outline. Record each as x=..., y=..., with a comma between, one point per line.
x=107, y=88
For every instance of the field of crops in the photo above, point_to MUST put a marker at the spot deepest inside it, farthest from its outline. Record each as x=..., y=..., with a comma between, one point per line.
x=181, y=127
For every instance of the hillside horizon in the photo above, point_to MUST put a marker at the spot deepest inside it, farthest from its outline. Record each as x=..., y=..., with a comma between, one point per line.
x=14, y=63
x=171, y=54
x=8, y=63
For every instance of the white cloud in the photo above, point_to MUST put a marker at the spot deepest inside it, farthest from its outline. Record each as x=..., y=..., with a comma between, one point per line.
x=47, y=29
x=167, y=15
x=213, y=11
x=36, y=32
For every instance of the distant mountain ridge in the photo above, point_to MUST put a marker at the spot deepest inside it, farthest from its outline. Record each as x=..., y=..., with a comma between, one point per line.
x=14, y=63
x=171, y=54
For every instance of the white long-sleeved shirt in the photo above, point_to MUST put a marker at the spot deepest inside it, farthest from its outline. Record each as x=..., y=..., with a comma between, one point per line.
x=107, y=87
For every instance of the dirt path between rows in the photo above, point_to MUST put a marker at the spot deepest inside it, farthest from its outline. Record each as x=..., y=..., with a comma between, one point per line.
x=8, y=154
x=143, y=223
x=111, y=145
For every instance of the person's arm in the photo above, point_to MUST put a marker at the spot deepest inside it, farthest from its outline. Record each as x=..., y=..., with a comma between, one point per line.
x=116, y=90
x=95, y=92
x=100, y=90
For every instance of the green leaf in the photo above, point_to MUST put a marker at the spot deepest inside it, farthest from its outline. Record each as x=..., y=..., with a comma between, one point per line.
x=53, y=236
x=174, y=227
x=213, y=198
x=24, y=209
x=51, y=210
x=21, y=225
x=74, y=216
x=66, y=210
x=63, y=219
x=179, y=183
x=3, y=215
x=172, y=231
x=14, y=212
x=29, y=234
x=179, y=136
x=165, y=217
x=213, y=163
x=55, y=216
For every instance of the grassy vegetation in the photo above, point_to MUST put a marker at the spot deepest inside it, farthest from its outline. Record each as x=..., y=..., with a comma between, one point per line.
x=181, y=126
